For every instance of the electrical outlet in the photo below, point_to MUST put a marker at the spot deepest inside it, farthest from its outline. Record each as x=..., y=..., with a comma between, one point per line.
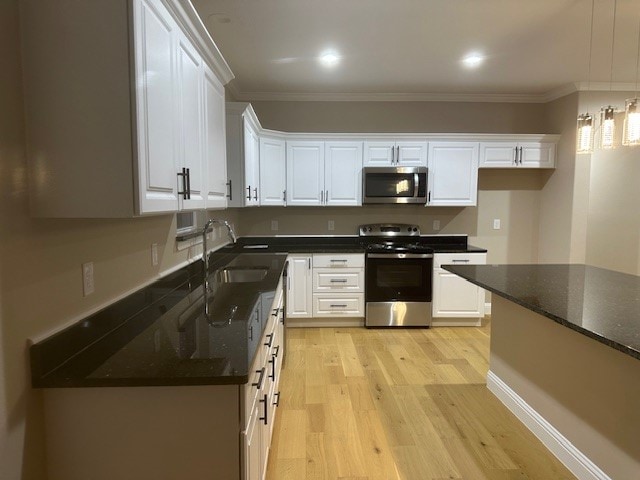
x=88, y=286
x=496, y=224
x=436, y=225
x=154, y=254
x=331, y=226
x=274, y=225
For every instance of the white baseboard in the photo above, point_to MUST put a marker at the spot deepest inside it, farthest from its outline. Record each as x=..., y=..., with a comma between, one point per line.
x=572, y=458
x=325, y=322
x=456, y=322
x=487, y=308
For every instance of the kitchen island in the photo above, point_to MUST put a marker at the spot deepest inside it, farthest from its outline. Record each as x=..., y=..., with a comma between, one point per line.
x=565, y=359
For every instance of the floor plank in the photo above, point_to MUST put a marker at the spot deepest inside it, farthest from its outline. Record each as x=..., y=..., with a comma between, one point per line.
x=398, y=404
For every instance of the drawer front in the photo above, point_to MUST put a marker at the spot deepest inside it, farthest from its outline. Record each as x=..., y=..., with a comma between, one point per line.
x=459, y=259
x=338, y=260
x=331, y=279
x=328, y=305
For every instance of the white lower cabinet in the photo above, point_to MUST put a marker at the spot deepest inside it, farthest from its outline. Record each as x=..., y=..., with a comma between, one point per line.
x=455, y=300
x=324, y=286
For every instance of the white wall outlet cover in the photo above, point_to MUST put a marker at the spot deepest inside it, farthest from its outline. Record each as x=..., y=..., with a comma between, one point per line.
x=154, y=254
x=331, y=225
x=436, y=224
x=496, y=224
x=274, y=225
x=88, y=286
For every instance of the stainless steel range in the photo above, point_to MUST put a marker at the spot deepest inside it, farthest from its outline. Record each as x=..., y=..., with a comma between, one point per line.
x=398, y=276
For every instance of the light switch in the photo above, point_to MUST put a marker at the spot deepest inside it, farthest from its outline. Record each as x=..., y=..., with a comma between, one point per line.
x=274, y=225
x=496, y=224
x=331, y=225
x=154, y=254
x=436, y=225
x=88, y=286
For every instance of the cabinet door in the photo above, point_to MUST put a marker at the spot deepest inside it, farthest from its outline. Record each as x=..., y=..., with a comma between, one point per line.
x=155, y=36
x=379, y=153
x=456, y=297
x=537, y=155
x=299, y=286
x=190, y=74
x=251, y=166
x=305, y=173
x=252, y=439
x=273, y=178
x=215, y=152
x=343, y=173
x=411, y=154
x=498, y=155
x=453, y=173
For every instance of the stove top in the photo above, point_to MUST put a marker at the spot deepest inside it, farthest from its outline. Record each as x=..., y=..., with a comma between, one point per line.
x=398, y=247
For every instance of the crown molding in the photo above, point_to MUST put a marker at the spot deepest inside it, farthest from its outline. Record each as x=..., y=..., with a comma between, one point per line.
x=546, y=97
x=233, y=89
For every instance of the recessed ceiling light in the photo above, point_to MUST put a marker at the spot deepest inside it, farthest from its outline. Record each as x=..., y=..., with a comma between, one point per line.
x=329, y=59
x=473, y=60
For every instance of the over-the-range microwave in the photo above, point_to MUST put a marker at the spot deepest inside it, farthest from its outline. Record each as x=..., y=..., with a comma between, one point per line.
x=394, y=185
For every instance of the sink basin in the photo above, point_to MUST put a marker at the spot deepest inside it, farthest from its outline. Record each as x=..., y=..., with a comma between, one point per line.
x=242, y=274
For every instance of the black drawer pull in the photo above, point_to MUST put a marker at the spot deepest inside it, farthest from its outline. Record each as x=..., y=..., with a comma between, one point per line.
x=338, y=280
x=333, y=305
x=277, y=398
x=258, y=384
x=461, y=261
x=276, y=350
x=264, y=400
x=272, y=375
x=268, y=344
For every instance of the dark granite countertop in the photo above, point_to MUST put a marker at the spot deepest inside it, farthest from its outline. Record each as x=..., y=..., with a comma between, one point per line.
x=160, y=334
x=343, y=244
x=601, y=304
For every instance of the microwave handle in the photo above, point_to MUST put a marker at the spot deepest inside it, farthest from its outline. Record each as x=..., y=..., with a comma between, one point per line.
x=416, y=182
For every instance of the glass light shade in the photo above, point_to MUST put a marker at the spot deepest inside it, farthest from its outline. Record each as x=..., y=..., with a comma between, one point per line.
x=607, y=127
x=584, y=138
x=631, y=132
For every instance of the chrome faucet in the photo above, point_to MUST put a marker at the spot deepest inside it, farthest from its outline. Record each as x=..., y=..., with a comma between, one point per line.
x=205, y=256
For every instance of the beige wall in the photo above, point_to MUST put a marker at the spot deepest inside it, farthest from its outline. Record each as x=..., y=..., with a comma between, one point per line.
x=419, y=117
x=613, y=224
x=40, y=269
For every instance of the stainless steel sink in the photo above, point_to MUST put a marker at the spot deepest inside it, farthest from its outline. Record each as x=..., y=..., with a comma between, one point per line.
x=242, y=274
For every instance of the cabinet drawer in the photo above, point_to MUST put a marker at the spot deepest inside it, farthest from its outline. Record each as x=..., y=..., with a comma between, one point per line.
x=338, y=305
x=338, y=260
x=459, y=259
x=331, y=279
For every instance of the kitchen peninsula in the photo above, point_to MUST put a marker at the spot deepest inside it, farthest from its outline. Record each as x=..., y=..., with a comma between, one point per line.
x=565, y=359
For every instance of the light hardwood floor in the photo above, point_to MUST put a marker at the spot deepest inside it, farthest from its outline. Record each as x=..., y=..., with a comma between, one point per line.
x=408, y=404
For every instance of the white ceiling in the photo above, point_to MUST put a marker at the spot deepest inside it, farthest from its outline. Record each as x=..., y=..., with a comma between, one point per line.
x=412, y=48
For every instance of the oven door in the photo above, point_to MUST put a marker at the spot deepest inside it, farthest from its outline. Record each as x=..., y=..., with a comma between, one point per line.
x=398, y=289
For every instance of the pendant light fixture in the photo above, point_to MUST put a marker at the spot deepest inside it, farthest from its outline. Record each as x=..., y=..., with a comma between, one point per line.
x=607, y=114
x=584, y=135
x=631, y=131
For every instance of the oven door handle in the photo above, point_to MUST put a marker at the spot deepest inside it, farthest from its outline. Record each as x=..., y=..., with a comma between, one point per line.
x=399, y=255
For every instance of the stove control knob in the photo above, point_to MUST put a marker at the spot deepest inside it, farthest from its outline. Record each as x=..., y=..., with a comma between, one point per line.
x=409, y=229
x=415, y=229
x=369, y=228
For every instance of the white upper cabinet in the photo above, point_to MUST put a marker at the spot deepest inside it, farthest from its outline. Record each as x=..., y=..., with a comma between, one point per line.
x=343, y=173
x=305, y=173
x=513, y=154
x=453, y=174
x=273, y=173
x=155, y=34
x=324, y=173
x=146, y=67
x=191, y=128
x=391, y=153
x=243, y=155
x=215, y=151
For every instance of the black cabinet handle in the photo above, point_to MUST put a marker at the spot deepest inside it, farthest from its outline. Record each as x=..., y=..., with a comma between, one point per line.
x=276, y=350
x=251, y=332
x=275, y=312
x=264, y=400
x=268, y=344
x=272, y=375
x=230, y=195
x=277, y=398
x=249, y=192
x=258, y=384
x=255, y=193
x=186, y=184
x=429, y=198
